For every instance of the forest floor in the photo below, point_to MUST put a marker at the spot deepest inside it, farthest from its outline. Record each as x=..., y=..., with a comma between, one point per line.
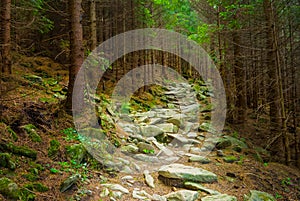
x=32, y=116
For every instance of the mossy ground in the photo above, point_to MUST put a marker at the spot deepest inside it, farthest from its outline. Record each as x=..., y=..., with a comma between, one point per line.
x=25, y=102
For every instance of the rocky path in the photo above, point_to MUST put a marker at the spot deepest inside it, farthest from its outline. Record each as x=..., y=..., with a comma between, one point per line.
x=166, y=141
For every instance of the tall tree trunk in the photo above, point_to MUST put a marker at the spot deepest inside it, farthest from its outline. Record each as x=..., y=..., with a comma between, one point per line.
x=276, y=143
x=77, y=53
x=93, y=21
x=6, y=57
x=240, y=79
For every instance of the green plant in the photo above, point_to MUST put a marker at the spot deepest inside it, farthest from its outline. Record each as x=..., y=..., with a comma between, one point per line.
x=125, y=107
x=286, y=181
x=278, y=196
x=148, y=151
x=71, y=134
x=54, y=170
x=235, y=134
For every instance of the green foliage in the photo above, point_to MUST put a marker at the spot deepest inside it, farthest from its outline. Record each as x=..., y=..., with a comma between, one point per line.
x=147, y=151
x=54, y=170
x=33, y=12
x=125, y=107
x=71, y=134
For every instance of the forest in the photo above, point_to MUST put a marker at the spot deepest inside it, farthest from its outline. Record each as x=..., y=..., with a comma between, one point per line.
x=164, y=100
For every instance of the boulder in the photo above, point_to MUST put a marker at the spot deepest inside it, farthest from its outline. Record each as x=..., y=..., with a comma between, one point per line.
x=183, y=195
x=187, y=173
x=151, y=131
x=9, y=189
x=259, y=196
x=220, y=197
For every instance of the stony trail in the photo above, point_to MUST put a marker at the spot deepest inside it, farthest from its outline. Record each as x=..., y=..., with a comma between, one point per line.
x=166, y=140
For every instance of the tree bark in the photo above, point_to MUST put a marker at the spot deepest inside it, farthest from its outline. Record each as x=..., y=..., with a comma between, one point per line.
x=77, y=53
x=6, y=21
x=93, y=20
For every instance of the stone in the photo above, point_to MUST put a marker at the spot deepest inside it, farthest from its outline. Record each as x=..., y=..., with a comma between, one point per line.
x=192, y=135
x=156, y=197
x=141, y=195
x=200, y=159
x=176, y=121
x=131, y=148
x=194, y=108
x=146, y=158
x=220, y=153
x=126, y=118
x=163, y=149
x=196, y=186
x=116, y=187
x=151, y=131
x=220, y=197
x=69, y=182
x=104, y=193
x=149, y=179
x=206, y=127
x=117, y=194
x=179, y=138
x=168, y=127
x=259, y=196
x=154, y=121
x=145, y=148
x=187, y=173
x=9, y=189
x=182, y=195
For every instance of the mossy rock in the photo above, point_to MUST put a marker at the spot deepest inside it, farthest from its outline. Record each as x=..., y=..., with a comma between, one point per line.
x=223, y=143
x=69, y=182
x=53, y=149
x=9, y=189
x=31, y=176
x=76, y=152
x=19, y=150
x=230, y=159
x=259, y=196
x=5, y=161
x=31, y=131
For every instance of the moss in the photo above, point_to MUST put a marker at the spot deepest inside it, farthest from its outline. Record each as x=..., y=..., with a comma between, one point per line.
x=12, y=133
x=27, y=195
x=76, y=152
x=31, y=131
x=31, y=176
x=230, y=159
x=20, y=150
x=54, y=148
x=5, y=161
x=36, y=187
x=8, y=188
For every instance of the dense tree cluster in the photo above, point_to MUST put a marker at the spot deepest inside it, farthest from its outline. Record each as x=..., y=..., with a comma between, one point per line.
x=255, y=45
